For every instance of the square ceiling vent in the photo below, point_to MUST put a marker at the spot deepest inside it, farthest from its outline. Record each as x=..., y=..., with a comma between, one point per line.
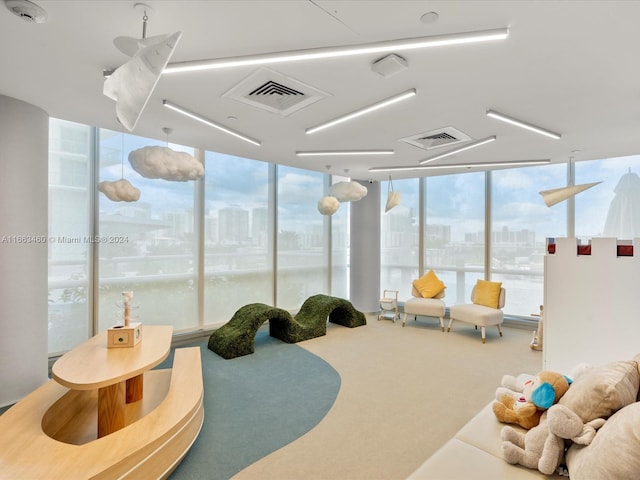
x=441, y=137
x=275, y=92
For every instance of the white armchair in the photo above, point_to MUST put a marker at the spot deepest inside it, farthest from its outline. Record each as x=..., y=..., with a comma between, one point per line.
x=479, y=315
x=428, y=307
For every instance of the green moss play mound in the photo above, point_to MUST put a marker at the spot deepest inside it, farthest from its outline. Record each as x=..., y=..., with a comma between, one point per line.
x=236, y=337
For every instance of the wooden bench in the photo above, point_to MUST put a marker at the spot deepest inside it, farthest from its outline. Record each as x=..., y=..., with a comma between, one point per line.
x=52, y=432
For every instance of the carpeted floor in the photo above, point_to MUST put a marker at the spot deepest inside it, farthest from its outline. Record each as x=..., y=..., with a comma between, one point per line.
x=405, y=392
x=256, y=404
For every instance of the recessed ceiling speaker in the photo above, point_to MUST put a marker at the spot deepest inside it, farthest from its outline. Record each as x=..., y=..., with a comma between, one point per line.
x=27, y=11
x=389, y=65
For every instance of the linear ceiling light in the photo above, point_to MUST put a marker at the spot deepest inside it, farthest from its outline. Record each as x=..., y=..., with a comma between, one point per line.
x=342, y=51
x=512, y=163
x=468, y=146
x=376, y=106
x=520, y=123
x=206, y=121
x=321, y=153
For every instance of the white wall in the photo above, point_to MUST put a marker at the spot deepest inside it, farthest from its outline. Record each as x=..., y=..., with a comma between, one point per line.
x=23, y=266
x=591, y=305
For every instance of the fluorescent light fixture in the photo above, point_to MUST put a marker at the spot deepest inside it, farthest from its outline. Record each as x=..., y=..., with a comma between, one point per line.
x=206, y=121
x=511, y=163
x=520, y=123
x=341, y=51
x=321, y=153
x=468, y=146
x=362, y=111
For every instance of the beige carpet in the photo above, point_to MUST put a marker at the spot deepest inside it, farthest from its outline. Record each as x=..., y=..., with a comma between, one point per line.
x=404, y=393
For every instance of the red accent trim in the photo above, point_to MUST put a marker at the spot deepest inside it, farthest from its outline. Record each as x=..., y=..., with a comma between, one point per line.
x=621, y=251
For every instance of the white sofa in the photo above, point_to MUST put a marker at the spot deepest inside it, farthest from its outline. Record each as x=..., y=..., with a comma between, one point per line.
x=608, y=391
x=475, y=452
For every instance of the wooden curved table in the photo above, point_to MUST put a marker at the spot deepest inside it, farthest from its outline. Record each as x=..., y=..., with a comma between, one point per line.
x=117, y=373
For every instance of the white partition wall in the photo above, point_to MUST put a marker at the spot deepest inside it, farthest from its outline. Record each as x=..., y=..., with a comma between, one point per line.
x=591, y=304
x=23, y=248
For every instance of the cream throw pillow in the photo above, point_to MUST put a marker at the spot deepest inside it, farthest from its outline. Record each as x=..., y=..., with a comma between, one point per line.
x=429, y=285
x=601, y=391
x=614, y=452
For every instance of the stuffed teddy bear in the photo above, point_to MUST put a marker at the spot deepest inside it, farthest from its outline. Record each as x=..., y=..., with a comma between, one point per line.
x=542, y=447
x=538, y=394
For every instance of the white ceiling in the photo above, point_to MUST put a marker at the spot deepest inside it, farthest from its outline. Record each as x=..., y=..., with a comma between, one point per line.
x=570, y=66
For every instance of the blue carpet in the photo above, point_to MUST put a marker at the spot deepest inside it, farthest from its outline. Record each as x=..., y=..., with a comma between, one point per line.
x=256, y=404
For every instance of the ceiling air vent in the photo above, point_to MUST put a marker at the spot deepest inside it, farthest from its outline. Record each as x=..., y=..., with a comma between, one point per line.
x=275, y=92
x=442, y=137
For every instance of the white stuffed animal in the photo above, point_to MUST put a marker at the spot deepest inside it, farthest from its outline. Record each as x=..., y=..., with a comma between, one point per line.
x=542, y=447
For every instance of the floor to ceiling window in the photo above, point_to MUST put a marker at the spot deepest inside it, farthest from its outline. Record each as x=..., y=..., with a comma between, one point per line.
x=146, y=246
x=399, y=246
x=612, y=208
x=151, y=246
x=521, y=223
x=68, y=245
x=340, y=248
x=238, y=239
x=301, y=247
x=454, y=243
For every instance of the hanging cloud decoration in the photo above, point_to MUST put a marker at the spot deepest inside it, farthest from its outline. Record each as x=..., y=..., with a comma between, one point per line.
x=165, y=163
x=119, y=191
x=348, y=191
x=328, y=205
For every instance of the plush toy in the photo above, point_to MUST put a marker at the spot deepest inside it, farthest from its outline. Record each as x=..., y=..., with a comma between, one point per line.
x=538, y=394
x=513, y=386
x=542, y=447
x=596, y=394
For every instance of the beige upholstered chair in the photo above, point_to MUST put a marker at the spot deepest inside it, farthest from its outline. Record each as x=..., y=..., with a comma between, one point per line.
x=428, y=307
x=478, y=314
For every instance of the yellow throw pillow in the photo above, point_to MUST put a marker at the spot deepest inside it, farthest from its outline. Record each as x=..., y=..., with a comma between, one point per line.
x=487, y=293
x=429, y=285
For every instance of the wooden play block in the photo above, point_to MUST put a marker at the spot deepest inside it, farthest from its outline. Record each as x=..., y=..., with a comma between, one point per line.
x=124, y=335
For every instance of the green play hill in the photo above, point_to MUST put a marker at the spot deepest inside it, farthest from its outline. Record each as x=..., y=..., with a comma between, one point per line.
x=236, y=337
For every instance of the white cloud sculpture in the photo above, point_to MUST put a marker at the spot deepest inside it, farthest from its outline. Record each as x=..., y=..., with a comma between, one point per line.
x=328, y=205
x=119, y=191
x=348, y=191
x=165, y=163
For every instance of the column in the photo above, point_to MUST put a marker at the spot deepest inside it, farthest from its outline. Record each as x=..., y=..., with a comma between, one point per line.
x=24, y=151
x=365, y=250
